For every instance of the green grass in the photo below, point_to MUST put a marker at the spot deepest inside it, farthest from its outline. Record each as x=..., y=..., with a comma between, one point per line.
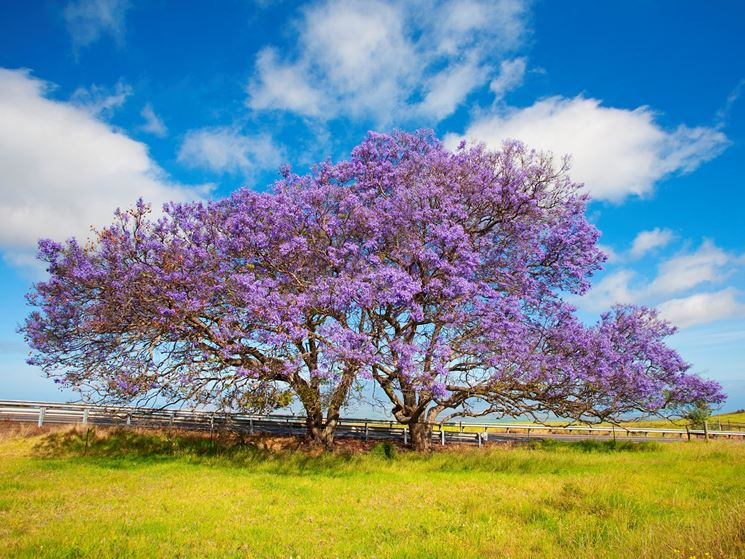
x=138, y=494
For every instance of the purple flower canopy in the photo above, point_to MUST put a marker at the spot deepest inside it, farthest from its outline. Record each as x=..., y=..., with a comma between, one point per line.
x=437, y=275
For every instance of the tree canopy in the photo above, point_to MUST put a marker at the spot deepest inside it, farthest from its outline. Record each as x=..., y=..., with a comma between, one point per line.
x=440, y=276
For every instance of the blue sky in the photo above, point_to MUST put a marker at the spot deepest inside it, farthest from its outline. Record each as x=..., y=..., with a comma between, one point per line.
x=104, y=101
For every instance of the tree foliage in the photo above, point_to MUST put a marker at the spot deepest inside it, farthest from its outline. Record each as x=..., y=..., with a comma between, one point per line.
x=440, y=276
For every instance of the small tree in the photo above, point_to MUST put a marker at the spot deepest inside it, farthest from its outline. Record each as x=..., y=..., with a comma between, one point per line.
x=698, y=414
x=439, y=276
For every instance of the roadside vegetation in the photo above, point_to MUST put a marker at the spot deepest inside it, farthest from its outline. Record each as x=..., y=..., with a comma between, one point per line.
x=734, y=420
x=130, y=493
x=714, y=420
x=737, y=417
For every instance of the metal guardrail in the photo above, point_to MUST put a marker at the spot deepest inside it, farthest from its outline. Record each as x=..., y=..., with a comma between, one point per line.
x=53, y=413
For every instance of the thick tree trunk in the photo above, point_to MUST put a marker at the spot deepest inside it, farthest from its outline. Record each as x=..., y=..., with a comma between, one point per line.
x=321, y=435
x=319, y=431
x=420, y=434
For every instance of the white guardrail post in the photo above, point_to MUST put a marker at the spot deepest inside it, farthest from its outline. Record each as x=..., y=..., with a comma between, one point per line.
x=42, y=412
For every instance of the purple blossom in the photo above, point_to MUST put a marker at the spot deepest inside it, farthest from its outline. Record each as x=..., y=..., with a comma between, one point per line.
x=438, y=275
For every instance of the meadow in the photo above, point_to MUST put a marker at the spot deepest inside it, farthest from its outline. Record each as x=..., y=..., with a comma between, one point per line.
x=130, y=493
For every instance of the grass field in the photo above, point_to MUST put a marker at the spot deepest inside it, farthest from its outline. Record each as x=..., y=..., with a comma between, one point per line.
x=139, y=494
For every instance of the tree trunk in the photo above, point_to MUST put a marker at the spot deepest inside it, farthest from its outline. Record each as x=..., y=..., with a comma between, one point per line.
x=421, y=436
x=322, y=436
x=320, y=432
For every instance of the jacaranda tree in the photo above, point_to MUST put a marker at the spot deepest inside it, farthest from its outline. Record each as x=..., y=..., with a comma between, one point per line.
x=440, y=276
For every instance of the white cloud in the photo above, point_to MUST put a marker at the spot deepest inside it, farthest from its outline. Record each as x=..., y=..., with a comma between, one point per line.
x=87, y=20
x=723, y=114
x=101, y=101
x=63, y=170
x=647, y=241
x=676, y=276
x=702, y=308
x=380, y=60
x=224, y=149
x=613, y=288
x=511, y=74
x=153, y=124
x=282, y=86
x=616, y=152
x=449, y=88
x=686, y=271
x=453, y=25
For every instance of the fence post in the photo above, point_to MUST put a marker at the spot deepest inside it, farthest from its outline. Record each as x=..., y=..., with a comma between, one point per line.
x=129, y=419
x=688, y=432
x=367, y=433
x=442, y=436
x=85, y=417
x=42, y=412
x=171, y=419
x=614, y=433
x=461, y=426
x=706, y=430
x=251, y=425
x=478, y=438
x=406, y=436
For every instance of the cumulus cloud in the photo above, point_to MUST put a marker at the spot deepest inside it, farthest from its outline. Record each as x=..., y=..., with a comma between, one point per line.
x=378, y=60
x=282, y=86
x=88, y=20
x=153, y=123
x=616, y=152
x=647, y=241
x=225, y=149
x=689, y=270
x=702, y=308
x=673, y=288
x=614, y=288
x=447, y=89
x=64, y=170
